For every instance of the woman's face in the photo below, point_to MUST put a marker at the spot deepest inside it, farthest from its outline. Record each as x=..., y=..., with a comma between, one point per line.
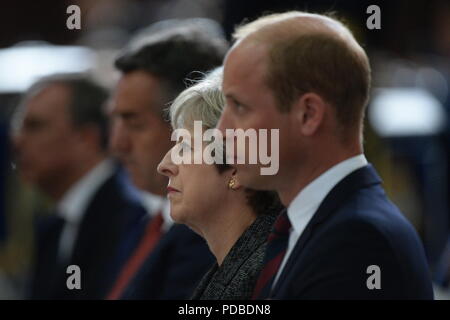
x=196, y=191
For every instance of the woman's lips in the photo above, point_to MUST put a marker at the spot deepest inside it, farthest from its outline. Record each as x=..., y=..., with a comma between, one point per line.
x=171, y=189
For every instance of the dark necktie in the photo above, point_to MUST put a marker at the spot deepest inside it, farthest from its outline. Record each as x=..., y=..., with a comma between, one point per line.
x=148, y=242
x=276, y=249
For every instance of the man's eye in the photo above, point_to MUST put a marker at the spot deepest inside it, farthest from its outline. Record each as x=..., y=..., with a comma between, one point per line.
x=136, y=125
x=239, y=107
x=33, y=125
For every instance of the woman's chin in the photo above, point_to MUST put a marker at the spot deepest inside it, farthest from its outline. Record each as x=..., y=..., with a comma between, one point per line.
x=177, y=217
x=181, y=218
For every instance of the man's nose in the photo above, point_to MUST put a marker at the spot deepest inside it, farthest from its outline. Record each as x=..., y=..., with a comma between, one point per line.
x=224, y=122
x=120, y=142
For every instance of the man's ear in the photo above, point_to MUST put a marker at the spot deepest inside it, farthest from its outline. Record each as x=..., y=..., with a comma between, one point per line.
x=309, y=112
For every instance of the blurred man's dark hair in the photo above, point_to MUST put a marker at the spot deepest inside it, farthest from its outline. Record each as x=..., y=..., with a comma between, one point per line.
x=157, y=49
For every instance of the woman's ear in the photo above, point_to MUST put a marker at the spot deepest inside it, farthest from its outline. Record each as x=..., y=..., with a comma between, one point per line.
x=233, y=182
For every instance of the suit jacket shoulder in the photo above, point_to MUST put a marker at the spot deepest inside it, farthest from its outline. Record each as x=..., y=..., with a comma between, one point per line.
x=112, y=213
x=174, y=267
x=356, y=230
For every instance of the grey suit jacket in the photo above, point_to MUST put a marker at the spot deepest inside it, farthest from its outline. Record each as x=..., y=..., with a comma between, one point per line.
x=236, y=278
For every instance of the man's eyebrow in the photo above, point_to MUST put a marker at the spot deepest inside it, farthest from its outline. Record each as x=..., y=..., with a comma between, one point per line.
x=234, y=99
x=126, y=114
x=230, y=96
x=33, y=119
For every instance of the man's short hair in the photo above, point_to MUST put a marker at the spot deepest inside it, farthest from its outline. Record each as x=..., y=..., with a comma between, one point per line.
x=87, y=100
x=175, y=51
x=313, y=53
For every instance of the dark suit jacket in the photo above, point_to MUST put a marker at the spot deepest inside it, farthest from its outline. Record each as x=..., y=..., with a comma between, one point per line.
x=173, y=269
x=113, y=212
x=236, y=277
x=355, y=227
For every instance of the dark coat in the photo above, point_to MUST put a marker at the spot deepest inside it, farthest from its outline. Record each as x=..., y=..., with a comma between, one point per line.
x=236, y=277
x=112, y=214
x=356, y=227
x=173, y=268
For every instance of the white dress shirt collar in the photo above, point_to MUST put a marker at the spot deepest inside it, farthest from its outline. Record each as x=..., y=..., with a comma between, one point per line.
x=306, y=203
x=155, y=204
x=74, y=203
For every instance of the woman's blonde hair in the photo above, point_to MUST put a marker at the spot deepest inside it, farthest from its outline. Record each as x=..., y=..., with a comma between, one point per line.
x=203, y=101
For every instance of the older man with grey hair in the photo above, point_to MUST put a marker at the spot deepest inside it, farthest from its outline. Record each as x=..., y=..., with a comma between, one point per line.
x=60, y=136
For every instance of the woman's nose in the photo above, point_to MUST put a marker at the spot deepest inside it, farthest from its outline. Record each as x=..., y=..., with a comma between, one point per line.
x=166, y=167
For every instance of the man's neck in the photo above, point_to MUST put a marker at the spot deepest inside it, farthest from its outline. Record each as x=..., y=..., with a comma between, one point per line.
x=300, y=178
x=57, y=190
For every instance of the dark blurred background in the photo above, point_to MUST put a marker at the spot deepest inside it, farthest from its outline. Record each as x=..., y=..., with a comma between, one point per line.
x=408, y=120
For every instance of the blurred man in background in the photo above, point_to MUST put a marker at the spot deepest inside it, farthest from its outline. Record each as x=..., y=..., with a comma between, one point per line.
x=60, y=138
x=168, y=260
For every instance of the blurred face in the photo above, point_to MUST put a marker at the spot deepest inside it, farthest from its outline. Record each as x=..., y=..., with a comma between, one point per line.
x=250, y=104
x=195, y=191
x=140, y=137
x=46, y=142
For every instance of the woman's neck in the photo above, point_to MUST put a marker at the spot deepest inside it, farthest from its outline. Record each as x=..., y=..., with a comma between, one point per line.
x=222, y=234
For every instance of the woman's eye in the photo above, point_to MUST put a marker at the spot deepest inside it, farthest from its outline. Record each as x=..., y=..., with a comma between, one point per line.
x=185, y=146
x=184, y=149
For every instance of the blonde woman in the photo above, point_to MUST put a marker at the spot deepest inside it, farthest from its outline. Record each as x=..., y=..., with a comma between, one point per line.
x=235, y=221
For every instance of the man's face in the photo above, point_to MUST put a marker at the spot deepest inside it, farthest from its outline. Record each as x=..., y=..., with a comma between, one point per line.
x=251, y=104
x=139, y=136
x=45, y=140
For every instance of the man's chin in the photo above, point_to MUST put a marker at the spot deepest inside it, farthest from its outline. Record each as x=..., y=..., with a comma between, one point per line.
x=141, y=185
x=137, y=181
x=28, y=178
x=152, y=188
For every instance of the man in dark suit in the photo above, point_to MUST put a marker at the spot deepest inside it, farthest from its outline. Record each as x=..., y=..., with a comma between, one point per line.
x=340, y=237
x=60, y=139
x=168, y=260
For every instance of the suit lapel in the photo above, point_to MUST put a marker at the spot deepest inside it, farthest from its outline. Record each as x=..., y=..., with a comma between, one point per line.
x=358, y=179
